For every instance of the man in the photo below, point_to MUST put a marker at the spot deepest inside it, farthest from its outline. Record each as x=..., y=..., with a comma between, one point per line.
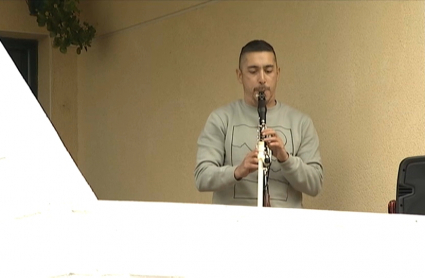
x=227, y=159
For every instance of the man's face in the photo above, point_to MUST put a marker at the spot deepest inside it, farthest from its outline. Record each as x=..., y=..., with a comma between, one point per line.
x=258, y=72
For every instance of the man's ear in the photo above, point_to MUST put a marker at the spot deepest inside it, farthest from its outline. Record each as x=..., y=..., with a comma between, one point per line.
x=239, y=75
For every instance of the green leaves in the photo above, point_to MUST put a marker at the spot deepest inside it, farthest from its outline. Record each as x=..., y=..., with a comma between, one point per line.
x=63, y=49
x=41, y=20
x=61, y=18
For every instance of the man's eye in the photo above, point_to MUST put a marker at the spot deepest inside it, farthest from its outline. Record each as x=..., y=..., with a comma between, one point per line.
x=252, y=71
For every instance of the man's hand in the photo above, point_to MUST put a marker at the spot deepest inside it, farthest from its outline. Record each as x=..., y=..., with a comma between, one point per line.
x=248, y=165
x=275, y=144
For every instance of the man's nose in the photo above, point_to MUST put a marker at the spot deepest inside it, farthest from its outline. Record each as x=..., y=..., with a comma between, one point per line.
x=262, y=77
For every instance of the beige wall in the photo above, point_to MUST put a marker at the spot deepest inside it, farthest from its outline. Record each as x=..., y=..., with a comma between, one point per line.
x=158, y=68
x=146, y=91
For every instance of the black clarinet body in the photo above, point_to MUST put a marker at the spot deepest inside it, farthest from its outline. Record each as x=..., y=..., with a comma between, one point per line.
x=266, y=155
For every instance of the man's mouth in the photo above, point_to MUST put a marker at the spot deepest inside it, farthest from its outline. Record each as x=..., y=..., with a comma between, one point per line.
x=261, y=89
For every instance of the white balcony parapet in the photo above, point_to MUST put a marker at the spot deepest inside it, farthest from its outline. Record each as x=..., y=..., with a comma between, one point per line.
x=52, y=225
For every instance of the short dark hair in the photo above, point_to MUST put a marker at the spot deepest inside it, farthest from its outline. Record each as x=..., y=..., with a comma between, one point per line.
x=256, y=46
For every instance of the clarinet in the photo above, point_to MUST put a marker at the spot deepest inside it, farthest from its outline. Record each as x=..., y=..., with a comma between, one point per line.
x=264, y=155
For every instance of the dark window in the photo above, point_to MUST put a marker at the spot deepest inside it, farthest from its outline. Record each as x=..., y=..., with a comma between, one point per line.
x=24, y=53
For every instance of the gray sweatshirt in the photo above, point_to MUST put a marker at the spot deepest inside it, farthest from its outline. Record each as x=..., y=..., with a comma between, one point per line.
x=231, y=132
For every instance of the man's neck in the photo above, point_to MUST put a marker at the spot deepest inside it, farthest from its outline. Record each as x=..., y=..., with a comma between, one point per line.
x=269, y=103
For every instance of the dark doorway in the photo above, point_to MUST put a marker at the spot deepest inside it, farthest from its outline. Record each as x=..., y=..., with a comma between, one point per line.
x=25, y=55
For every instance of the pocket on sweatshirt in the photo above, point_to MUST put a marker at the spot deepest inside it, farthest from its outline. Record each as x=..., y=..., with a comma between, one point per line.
x=278, y=190
x=245, y=189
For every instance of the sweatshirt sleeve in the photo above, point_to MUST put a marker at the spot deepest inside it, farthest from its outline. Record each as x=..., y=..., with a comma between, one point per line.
x=304, y=170
x=210, y=172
